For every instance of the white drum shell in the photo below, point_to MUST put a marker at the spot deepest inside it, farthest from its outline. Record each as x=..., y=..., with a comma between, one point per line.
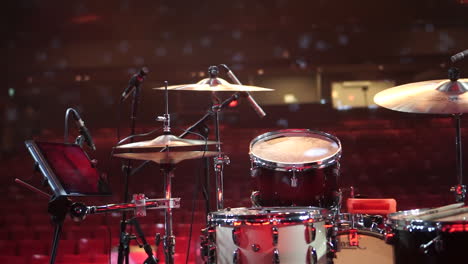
x=292, y=245
x=255, y=235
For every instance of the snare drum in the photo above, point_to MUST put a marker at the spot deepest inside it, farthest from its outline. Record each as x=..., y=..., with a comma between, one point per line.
x=440, y=240
x=266, y=235
x=360, y=240
x=295, y=167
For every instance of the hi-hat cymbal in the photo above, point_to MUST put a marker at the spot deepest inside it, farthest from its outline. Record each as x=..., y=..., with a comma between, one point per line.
x=429, y=97
x=167, y=141
x=167, y=157
x=214, y=85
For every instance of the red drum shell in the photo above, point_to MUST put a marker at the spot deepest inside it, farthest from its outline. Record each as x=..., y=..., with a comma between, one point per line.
x=295, y=167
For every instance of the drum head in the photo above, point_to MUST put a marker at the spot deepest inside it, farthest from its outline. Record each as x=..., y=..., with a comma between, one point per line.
x=295, y=149
x=279, y=215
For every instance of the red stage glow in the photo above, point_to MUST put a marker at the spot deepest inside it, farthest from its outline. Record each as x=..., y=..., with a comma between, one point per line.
x=85, y=19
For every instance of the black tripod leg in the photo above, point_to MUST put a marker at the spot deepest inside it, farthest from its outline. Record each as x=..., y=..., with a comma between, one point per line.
x=55, y=242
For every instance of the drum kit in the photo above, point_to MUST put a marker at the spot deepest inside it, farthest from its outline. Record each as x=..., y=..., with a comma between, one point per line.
x=296, y=214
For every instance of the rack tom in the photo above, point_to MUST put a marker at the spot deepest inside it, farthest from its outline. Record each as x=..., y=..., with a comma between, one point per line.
x=295, y=167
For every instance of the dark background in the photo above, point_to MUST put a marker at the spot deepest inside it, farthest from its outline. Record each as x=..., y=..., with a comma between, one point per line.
x=81, y=54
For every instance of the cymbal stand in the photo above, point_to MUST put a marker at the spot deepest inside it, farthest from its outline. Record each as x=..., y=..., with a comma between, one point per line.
x=459, y=190
x=168, y=172
x=221, y=159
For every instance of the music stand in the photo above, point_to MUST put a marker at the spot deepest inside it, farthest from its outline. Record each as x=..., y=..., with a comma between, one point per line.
x=69, y=172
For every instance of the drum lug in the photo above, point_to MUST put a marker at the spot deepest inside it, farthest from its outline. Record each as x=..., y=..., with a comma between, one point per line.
x=207, y=246
x=253, y=169
x=274, y=233
x=311, y=255
x=310, y=233
x=436, y=243
x=332, y=242
x=235, y=235
x=353, y=238
x=390, y=238
x=276, y=258
x=294, y=178
x=236, y=256
x=255, y=247
x=255, y=199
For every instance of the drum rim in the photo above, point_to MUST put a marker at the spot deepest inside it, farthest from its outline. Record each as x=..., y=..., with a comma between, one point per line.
x=320, y=163
x=225, y=218
x=363, y=231
x=406, y=224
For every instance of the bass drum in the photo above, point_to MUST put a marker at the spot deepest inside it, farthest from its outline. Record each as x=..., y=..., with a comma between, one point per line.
x=356, y=243
x=295, y=167
x=267, y=235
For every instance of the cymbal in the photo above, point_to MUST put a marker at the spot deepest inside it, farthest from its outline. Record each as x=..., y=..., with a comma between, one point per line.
x=167, y=157
x=167, y=141
x=213, y=85
x=429, y=97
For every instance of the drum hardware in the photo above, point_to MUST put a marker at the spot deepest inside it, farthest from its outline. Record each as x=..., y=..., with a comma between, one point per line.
x=312, y=255
x=255, y=247
x=276, y=257
x=135, y=87
x=353, y=237
x=254, y=199
x=214, y=84
x=167, y=164
x=274, y=235
x=235, y=236
x=310, y=233
x=236, y=256
x=84, y=136
x=293, y=178
x=436, y=243
x=207, y=245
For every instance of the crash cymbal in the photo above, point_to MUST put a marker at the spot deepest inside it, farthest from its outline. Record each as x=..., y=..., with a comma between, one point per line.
x=213, y=85
x=167, y=141
x=430, y=97
x=167, y=157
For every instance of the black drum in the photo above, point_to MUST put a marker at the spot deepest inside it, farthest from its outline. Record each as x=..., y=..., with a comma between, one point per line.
x=295, y=167
x=439, y=240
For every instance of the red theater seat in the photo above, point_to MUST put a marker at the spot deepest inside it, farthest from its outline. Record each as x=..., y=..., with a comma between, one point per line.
x=13, y=259
x=67, y=259
x=31, y=247
x=7, y=248
x=92, y=247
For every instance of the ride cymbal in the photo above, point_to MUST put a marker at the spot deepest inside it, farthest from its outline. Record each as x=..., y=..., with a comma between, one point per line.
x=167, y=157
x=428, y=97
x=214, y=85
x=167, y=141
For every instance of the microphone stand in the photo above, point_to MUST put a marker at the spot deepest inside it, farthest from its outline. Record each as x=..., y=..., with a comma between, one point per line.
x=124, y=249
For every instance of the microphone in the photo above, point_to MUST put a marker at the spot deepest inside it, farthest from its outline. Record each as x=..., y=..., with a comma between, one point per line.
x=459, y=56
x=251, y=100
x=135, y=81
x=84, y=130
